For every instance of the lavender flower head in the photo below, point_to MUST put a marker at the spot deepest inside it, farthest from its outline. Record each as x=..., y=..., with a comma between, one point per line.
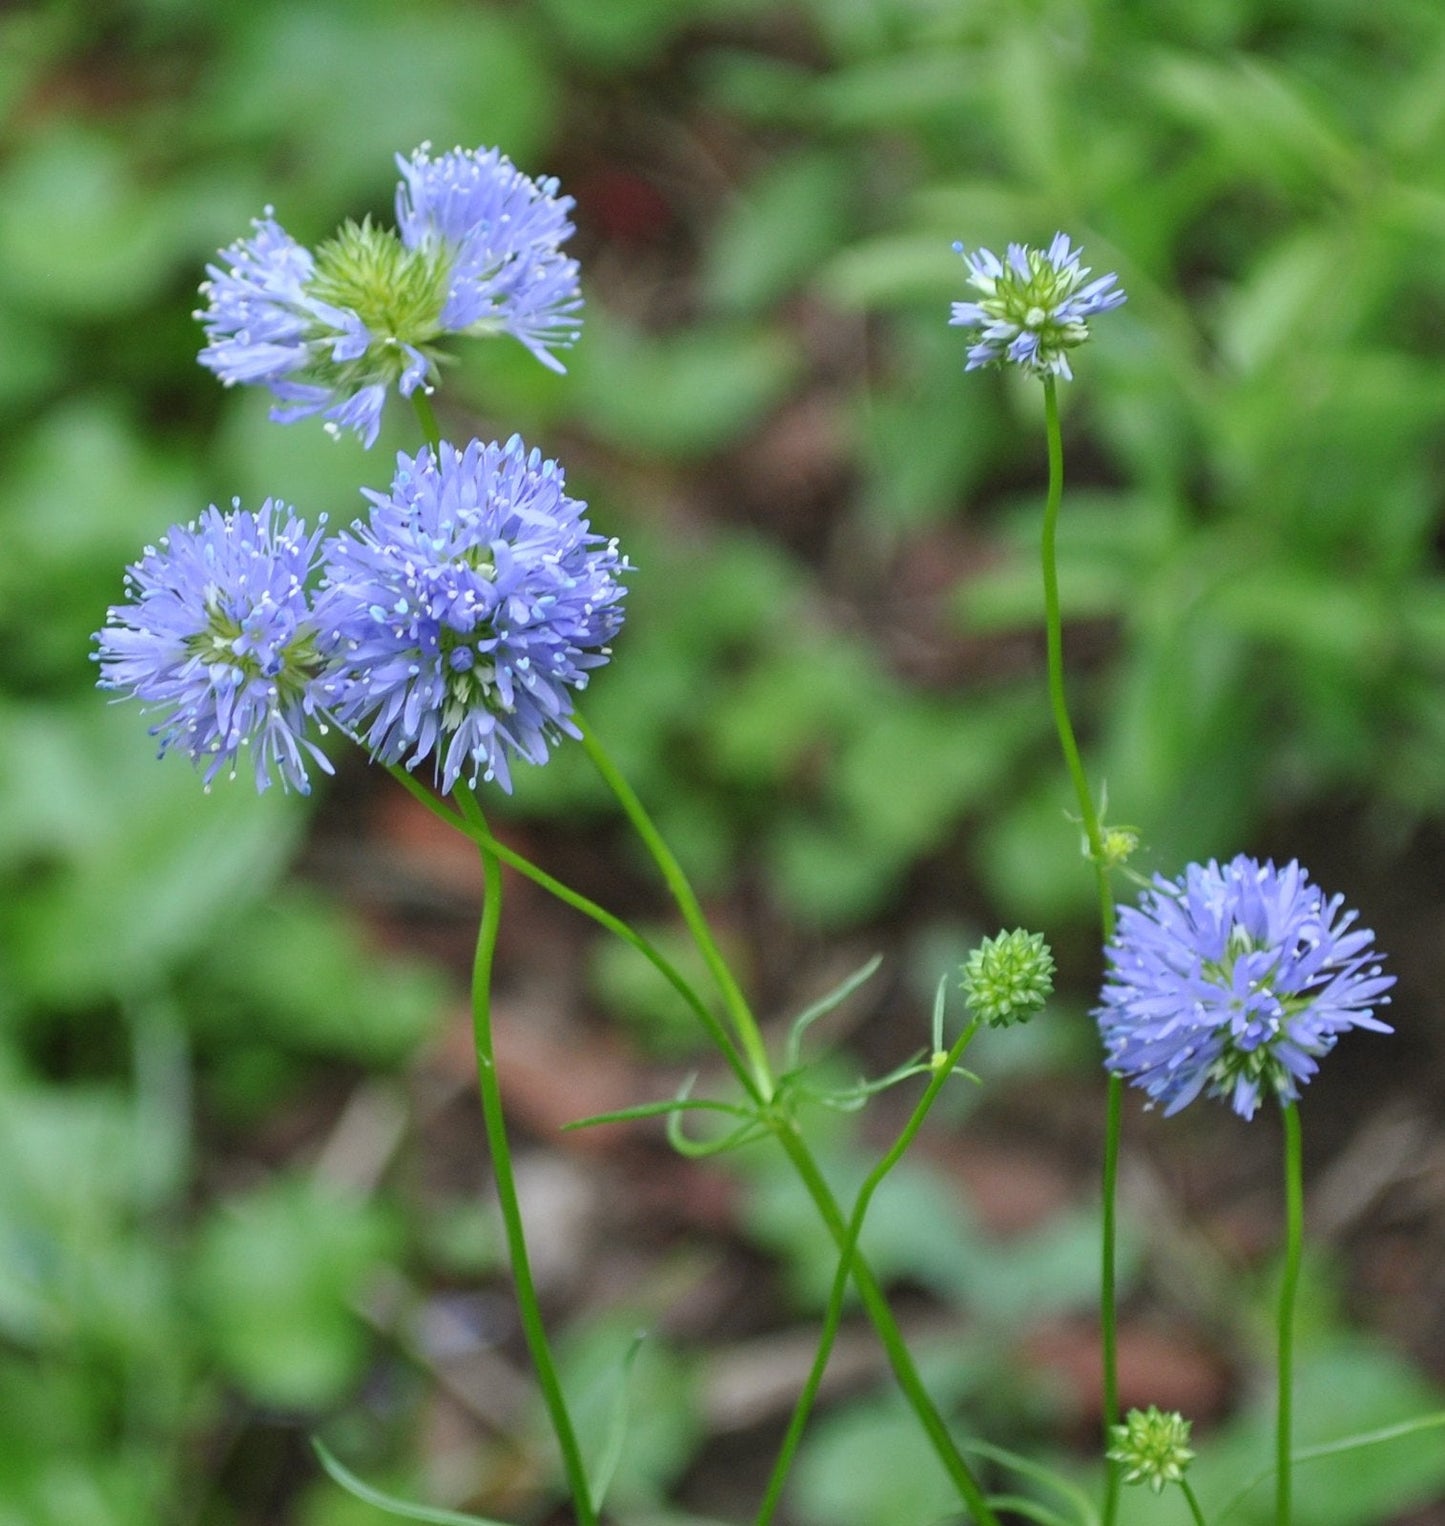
x=500, y=234
x=219, y=637
x=334, y=332
x=1033, y=306
x=1235, y=980
x=467, y=611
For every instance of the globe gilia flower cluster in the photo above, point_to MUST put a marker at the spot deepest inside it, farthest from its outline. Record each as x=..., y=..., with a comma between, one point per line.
x=476, y=251
x=219, y=636
x=1033, y=306
x=467, y=610
x=454, y=624
x=1235, y=980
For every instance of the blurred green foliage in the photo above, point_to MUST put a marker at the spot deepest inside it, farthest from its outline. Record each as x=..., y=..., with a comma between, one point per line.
x=1250, y=545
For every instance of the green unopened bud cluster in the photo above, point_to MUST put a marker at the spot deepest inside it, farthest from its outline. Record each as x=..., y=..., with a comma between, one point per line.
x=1008, y=979
x=1152, y=1446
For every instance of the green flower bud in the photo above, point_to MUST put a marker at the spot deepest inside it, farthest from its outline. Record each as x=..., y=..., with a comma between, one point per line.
x=1008, y=978
x=1153, y=1447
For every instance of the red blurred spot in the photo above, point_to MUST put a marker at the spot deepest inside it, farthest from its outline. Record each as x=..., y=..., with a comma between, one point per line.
x=624, y=206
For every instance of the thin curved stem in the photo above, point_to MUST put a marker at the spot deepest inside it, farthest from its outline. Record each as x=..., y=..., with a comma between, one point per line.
x=876, y=1305
x=495, y=1123
x=482, y=836
x=1093, y=832
x=745, y=1025
x=1289, y=1286
x=1192, y=1502
x=834, y=1313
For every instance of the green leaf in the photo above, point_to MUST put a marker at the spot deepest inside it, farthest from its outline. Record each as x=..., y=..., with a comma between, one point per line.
x=308, y=73
x=604, y=1470
x=135, y=866
x=658, y=1110
x=870, y=1465
x=637, y=994
x=782, y=226
x=84, y=235
x=275, y=1278
x=683, y=394
x=297, y=970
x=389, y=1503
x=69, y=543
x=634, y=1401
x=1343, y=1388
x=895, y=270
x=824, y=1005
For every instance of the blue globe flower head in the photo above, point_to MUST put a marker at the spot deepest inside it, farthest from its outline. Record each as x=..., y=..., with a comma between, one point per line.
x=219, y=637
x=1033, y=306
x=500, y=234
x=336, y=331
x=1235, y=980
x=468, y=610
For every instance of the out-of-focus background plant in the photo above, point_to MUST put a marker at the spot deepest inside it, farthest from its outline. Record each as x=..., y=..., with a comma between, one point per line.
x=242, y=1185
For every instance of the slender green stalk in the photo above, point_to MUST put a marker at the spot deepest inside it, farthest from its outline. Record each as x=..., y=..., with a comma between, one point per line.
x=1338, y=1448
x=426, y=417
x=876, y=1305
x=495, y=1123
x=874, y=1301
x=744, y=1023
x=481, y=835
x=1289, y=1286
x=834, y=1313
x=1192, y=1502
x=1093, y=832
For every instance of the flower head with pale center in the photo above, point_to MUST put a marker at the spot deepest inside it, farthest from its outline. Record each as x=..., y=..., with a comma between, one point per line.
x=1235, y=980
x=1033, y=306
x=220, y=637
x=335, y=332
x=468, y=610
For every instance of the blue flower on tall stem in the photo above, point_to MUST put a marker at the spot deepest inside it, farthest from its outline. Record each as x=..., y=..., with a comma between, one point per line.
x=1033, y=306
x=334, y=332
x=467, y=611
x=1235, y=980
x=220, y=637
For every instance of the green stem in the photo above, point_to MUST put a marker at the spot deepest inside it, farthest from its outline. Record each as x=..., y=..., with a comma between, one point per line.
x=1192, y=1502
x=1054, y=633
x=495, y=1123
x=751, y=1038
x=481, y=835
x=876, y=1305
x=426, y=417
x=1338, y=1448
x=1093, y=832
x=834, y=1312
x=1289, y=1286
x=745, y=1025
